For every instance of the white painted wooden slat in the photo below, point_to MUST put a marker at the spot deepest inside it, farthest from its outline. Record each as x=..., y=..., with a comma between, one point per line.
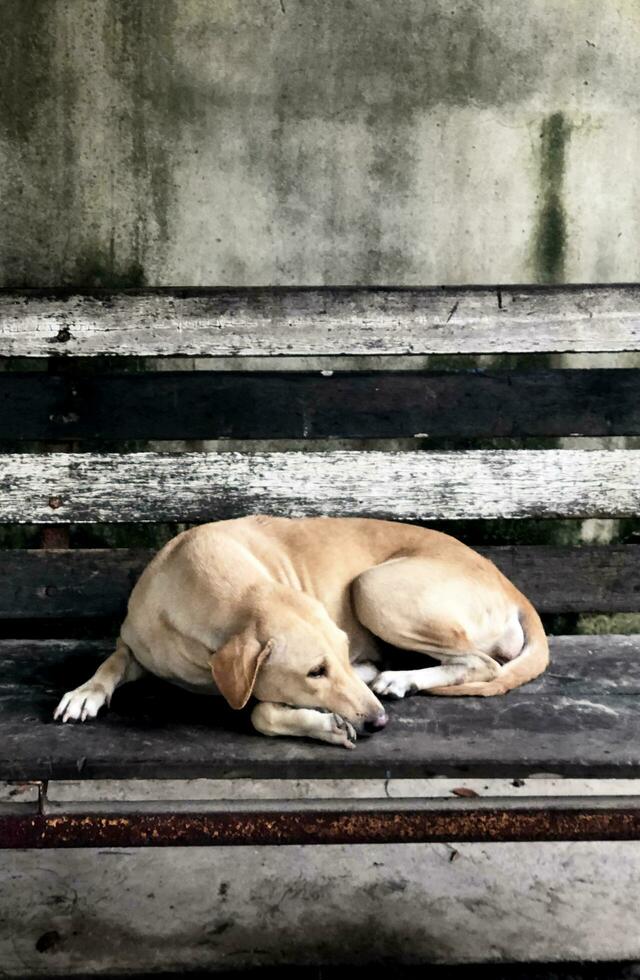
x=66, y=487
x=329, y=321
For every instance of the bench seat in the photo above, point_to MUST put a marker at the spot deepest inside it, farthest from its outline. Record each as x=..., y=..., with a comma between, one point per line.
x=581, y=718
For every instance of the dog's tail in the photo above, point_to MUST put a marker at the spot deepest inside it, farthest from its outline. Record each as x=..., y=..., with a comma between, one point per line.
x=531, y=662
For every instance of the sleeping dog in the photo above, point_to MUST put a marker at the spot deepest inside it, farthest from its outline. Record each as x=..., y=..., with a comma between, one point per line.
x=292, y=612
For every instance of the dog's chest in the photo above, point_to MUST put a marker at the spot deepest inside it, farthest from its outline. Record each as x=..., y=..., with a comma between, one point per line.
x=181, y=664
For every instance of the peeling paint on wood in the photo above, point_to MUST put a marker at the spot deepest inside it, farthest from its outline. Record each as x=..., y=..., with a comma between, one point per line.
x=151, y=487
x=249, y=322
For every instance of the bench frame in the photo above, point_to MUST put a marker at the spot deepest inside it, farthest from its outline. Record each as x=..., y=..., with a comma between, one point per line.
x=377, y=822
x=324, y=323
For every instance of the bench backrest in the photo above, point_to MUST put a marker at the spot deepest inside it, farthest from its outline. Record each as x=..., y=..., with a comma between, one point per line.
x=73, y=425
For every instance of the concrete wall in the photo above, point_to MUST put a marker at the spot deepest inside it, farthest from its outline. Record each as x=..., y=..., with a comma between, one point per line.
x=318, y=141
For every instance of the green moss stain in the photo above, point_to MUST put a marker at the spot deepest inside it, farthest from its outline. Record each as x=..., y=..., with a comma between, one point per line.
x=99, y=271
x=551, y=228
x=26, y=56
x=138, y=60
x=93, y=106
x=158, y=101
x=37, y=183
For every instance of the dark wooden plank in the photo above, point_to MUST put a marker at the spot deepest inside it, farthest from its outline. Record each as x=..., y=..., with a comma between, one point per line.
x=318, y=321
x=83, y=583
x=95, y=583
x=573, y=580
x=154, y=731
x=212, y=404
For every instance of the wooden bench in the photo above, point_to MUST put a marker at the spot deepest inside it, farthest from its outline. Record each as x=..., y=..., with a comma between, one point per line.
x=71, y=426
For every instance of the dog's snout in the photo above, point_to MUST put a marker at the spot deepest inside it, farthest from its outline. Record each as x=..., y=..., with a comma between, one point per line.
x=376, y=723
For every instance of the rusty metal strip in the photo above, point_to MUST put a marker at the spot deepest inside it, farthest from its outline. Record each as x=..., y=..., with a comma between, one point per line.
x=313, y=827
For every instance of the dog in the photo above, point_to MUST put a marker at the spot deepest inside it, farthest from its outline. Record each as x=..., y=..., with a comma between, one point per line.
x=292, y=611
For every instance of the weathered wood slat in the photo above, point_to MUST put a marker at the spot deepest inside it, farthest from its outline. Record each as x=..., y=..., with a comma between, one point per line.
x=573, y=580
x=83, y=583
x=579, y=721
x=151, y=487
x=590, y=667
x=321, y=321
x=96, y=583
x=211, y=404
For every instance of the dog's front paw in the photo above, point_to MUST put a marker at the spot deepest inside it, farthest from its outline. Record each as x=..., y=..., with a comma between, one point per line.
x=82, y=703
x=393, y=684
x=338, y=731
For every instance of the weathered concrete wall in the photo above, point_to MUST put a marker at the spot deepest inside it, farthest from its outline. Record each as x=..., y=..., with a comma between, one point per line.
x=297, y=141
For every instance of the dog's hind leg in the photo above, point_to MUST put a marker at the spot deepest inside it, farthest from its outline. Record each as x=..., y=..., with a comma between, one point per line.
x=404, y=602
x=85, y=701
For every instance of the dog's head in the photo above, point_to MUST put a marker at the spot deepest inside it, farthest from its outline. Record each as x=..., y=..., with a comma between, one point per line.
x=294, y=654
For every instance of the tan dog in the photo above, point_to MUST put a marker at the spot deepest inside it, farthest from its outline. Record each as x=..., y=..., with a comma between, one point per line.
x=289, y=611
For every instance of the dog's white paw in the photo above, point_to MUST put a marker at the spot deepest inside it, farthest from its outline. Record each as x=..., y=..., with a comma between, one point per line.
x=82, y=703
x=393, y=684
x=337, y=731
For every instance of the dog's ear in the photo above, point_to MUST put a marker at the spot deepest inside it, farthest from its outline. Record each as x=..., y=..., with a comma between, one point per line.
x=235, y=666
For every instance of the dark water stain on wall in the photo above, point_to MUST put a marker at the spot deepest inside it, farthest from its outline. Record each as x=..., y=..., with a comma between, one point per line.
x=551, y=229
x=88, y=189
x=353, y=62
x=349, y=56
x=36, y=90
x=140, y=56
x=275, y=97
x=98, y=268
x=155, y=105
x=26, y=44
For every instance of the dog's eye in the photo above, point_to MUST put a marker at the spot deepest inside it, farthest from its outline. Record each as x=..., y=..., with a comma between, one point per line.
x=319, y=671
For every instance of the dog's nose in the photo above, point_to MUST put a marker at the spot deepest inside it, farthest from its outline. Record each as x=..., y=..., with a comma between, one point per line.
x=375, y=724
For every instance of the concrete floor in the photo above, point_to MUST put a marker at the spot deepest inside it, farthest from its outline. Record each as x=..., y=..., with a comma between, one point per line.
x=105, y=911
